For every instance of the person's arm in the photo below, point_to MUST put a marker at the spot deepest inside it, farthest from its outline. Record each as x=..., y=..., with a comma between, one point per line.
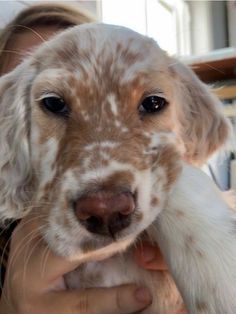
x=34, y=283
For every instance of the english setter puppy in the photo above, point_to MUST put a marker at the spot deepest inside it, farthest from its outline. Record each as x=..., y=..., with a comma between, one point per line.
x=100, y=134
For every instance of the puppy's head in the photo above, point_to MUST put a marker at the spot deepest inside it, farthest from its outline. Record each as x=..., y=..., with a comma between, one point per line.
x=94, y=126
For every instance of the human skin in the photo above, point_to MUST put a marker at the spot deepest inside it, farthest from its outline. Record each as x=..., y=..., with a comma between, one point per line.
x=24, y=42
x=150, y=257
x=34, y=282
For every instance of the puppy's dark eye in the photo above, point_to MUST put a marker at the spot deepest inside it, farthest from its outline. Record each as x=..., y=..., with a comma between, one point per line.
x=56, y=105
x=152, y=104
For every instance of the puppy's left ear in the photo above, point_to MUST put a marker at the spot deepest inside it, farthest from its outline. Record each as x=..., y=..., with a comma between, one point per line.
x=201, y=124
x=15, y=166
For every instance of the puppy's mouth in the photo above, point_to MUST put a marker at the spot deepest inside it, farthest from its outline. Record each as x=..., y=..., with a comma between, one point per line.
x=106, y=214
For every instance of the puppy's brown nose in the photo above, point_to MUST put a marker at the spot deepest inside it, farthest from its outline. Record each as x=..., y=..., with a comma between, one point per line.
x=105, y=213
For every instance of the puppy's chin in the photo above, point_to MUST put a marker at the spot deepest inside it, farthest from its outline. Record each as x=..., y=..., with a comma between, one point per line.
x=96, y=248
x=99, y=250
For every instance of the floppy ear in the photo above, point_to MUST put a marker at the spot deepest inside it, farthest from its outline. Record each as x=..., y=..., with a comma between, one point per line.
x=15, y=168
x=201, y=124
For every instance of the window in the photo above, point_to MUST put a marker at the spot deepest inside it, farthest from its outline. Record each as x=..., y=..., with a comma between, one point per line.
x=167, y=21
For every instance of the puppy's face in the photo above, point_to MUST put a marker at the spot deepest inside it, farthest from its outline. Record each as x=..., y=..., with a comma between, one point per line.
x=101, y=118
x=105, y=135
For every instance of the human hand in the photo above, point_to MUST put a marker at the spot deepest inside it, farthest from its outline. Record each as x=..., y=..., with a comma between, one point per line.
x=34, y=282
x=150, y=257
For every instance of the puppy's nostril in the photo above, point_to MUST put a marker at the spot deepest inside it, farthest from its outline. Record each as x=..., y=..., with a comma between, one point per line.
x=118, y=222
x=94, y=224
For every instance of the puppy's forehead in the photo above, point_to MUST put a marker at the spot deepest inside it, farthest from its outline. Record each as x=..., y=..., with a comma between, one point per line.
x=98, y=49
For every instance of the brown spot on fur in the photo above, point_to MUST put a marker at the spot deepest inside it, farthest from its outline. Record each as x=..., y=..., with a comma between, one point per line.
x=47, y=188
x=138, y=215
x=190, y=239
x=105, y=163
x=88, y=246
x=118, y=179
x=154, y=201
x=189, y=243
x=168, y=158
x=201, y=306
x=199, y=253
x=179, y=213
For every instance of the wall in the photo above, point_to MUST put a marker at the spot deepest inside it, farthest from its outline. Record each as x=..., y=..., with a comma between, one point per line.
x=231, y=6
x=200, y=26
x=208, y=25
x=8, y=9
x=219, y=24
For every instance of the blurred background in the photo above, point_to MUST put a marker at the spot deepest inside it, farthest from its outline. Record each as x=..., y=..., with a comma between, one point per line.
x=180, y=27
x=201, y=33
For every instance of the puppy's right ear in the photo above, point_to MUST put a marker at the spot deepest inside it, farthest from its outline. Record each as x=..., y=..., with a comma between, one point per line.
x=15, y=168
x=200, y=123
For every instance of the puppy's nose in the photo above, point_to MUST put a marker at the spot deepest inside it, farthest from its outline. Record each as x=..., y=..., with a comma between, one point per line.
x=105, y=213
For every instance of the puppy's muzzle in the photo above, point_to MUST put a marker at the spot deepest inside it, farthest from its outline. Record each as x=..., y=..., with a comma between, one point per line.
x=105, y=213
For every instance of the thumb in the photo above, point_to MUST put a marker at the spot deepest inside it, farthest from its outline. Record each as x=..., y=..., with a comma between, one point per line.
x=125, y=299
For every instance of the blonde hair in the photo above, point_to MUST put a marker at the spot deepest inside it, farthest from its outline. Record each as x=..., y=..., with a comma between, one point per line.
x=43, y=14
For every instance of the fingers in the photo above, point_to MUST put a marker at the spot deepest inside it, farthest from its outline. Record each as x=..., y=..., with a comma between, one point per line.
x=31, y=259
x=118, y=300
x=31, y=288
x=150, y=257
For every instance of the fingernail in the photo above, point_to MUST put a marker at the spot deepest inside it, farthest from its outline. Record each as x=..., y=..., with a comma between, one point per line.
x=143, y=295
x=148, y=255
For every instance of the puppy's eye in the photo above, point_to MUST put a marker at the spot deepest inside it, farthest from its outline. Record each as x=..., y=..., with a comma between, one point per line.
x=56, y=105
x=152, y=104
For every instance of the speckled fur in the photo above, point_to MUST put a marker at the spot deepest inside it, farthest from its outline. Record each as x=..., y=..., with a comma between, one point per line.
x=46, y=162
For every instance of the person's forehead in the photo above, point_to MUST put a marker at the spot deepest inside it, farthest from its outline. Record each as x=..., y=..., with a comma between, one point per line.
x=25, y=41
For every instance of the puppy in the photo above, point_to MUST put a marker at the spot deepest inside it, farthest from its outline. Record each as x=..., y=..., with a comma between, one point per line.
x=100, y=132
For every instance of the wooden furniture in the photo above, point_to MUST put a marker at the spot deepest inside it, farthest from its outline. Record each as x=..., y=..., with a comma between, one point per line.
x=218, y=65
x=218, y=69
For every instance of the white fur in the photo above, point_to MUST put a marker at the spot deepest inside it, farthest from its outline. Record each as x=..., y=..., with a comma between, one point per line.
x=204, y=268
x=191, y=223
x=112, y=101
